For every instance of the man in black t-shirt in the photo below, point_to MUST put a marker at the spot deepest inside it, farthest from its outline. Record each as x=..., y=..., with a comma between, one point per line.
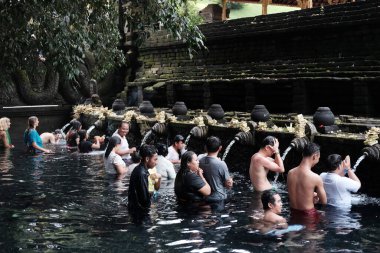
x=138, y=193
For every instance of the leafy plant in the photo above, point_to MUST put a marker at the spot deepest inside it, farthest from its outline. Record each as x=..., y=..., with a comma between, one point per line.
x=60, y=32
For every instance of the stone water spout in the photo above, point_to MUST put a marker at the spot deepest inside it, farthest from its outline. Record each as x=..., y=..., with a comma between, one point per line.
x=372, y=152
x=63, y=130
x=297, y=144
x=244, y=138
x=158, y=128
x=99, y=124
x=199, y=132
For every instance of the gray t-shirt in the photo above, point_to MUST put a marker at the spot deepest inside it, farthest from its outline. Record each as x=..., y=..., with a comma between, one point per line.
x=216, y=173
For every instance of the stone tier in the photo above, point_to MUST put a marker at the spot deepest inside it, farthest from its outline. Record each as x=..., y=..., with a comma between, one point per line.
x=287, y=61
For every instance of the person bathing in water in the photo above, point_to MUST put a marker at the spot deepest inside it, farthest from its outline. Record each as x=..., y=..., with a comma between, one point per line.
x=32, y=139
x=305, y=187
x=86, y=146
x=52, y=138
x=262, y=162
x=5, y=138
x=272, y=205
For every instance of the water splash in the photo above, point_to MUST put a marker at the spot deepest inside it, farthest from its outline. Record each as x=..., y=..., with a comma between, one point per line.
x=146, y=137
x=358, y=162
x=90, y=129
x=63, y=130
x=187, y=139
x=228, y=149
x=287, y=150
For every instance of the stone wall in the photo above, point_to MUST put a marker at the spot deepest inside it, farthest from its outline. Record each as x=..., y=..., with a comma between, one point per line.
x=291, y=62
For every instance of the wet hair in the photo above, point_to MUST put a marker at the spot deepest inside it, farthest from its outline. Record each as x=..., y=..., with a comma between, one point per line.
x=267, y=198
x=75, y=124
x=212, y=144
x=178, y=138
x=310, y=149
x=31, y=121
x=82, y=134
x=333, y=161
x=114, y=140
x=4, y=123
x=269, y=140
x=136, y=158
x=179, y=180
x=185, y=159
x=161, y=149
x=147, y=151
x=57, y=131
x=121, y=123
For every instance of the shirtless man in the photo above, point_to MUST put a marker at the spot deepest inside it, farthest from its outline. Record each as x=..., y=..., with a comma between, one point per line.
x=272, y=205
x=304, y=186
x=262, y=163
x=51, y=137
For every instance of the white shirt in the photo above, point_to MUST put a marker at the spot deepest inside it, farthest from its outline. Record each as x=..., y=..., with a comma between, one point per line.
x=165, y=168
x=112, y=160
x=173, y=154
x=338, y=189
x=124, y=146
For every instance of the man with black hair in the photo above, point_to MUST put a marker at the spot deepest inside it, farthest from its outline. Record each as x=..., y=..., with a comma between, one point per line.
x=139, y=199
x=262, y=162
x=338, y=187
x=305, y=187
x=164, y=167
x=176, y=150
x=215, y=171
x=272, y=205
x=124, y=151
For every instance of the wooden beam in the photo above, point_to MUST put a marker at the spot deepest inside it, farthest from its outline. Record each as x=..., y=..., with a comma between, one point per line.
x=224, y=10
x=264, y=7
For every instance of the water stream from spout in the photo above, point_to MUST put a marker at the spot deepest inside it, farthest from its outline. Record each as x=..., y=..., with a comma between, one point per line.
x=63, y=130
x=228, y=149
x=90, y=129
x=287, y=150
x=146, y=137
x=187, y=140
x=360, y=159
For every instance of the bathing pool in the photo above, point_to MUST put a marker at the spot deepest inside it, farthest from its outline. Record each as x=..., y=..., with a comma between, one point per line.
x=65, y=202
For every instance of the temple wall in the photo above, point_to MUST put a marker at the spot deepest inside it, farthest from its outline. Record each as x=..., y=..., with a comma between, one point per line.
x=291, y=62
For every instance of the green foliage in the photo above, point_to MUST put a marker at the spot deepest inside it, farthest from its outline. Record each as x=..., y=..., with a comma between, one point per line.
x=234, y=6
x=168, y=13
x=61, y=31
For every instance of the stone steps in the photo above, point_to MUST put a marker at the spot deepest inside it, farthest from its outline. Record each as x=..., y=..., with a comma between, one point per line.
x=313, y=13
x=350, y=67
x=317, y=21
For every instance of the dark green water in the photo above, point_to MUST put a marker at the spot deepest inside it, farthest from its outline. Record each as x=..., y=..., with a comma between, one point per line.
x=65, y=202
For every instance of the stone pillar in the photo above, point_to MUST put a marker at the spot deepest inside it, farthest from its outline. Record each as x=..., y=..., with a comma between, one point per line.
x=361, y=99
x=250, y=96
x=140, y=95
x=299, y=101
x=206, y=95
x=170, y=94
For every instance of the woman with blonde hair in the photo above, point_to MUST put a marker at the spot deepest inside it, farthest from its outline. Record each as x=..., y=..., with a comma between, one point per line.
x=32, y=139
x=5, y=138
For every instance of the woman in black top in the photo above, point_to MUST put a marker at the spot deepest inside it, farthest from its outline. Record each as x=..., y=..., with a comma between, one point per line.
x=190, y=184
x=86, y=146
x=72, y=137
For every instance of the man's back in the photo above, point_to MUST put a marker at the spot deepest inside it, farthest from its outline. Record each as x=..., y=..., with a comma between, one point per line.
x=216, y=174
x=301, y=183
